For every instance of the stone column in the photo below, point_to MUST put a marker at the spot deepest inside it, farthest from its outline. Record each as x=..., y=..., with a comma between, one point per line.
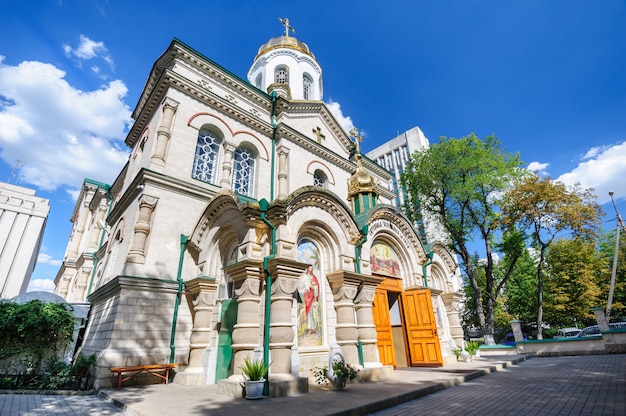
x=227, y=165
x=96, y=232
x=169, y=107
x=202, y=291
x=285, y=275
x=452, y=301
x=283, y=184
x=137, y=253
x=365, y=324
x=345, y=286
x=78, y=231
x=247, y=331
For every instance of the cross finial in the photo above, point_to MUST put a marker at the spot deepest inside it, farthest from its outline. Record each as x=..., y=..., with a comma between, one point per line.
x=357, y=139
x=318, y=133
x=285, y=23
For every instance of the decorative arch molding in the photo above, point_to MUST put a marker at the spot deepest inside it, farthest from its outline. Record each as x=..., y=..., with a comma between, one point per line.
x=239, y=137
x=315, y=165
x=222, y=209
x=200, y=119
x=116, y=235
x=447, y=257
x=405, y=259
x=145, y=135
x=388, y=217
x=310, y=196
x=327, y=242
x=235, y=136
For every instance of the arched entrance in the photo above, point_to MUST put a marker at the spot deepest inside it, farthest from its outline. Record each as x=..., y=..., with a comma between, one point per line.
x=405, y=320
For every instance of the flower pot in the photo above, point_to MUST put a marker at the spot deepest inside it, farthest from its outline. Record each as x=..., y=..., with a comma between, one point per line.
x=338, y=383
x=254, y=389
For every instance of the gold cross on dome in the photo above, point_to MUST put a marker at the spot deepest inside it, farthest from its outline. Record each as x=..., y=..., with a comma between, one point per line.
x=318, y=133
x=357, y=139
x=285, y=23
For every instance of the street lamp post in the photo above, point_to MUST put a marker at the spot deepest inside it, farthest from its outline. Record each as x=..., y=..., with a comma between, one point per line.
x=620, y=224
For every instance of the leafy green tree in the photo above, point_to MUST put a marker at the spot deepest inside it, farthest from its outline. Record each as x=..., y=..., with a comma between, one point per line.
x=460, y=182
x=547, y=209
x=574, y=270
x=520, y=291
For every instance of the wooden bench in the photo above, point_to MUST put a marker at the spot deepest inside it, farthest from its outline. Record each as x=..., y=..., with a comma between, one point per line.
x=153, y=369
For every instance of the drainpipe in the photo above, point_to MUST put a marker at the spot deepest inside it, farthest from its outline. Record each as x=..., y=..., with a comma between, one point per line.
x=93, y=255
x=428, y=263
x=275, y=128
x=183, y=243
x=263, y=206
x=357, y=247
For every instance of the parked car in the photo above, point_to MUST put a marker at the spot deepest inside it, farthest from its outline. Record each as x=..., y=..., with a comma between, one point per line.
x=594, y=330
x=567, y=332
x=590, y=331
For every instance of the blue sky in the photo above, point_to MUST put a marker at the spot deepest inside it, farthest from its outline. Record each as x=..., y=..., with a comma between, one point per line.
x=548, y=77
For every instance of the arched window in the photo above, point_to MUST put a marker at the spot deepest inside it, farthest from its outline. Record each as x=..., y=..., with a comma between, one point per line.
x=307, y=87
x=205, y=161
x=319, y=178
x=243, y=171
x=258, y=81
x=281, y=75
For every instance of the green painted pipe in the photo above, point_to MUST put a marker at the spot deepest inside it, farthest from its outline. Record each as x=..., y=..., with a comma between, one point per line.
x=263, y=207
x=430, y=261
x=183, y=243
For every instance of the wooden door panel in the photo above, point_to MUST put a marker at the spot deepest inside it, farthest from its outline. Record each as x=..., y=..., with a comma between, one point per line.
x=380, y=313
x=421, y=328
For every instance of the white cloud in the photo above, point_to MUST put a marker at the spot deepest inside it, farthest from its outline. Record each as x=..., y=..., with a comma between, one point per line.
x=344, y=121
x=537, y=167
x=43, y=285
x=44, y=258
x=603, y=169
x=60, y=134
x=88, y=49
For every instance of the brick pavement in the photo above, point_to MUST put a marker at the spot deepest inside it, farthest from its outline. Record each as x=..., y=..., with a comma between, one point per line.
x=503, y=386
x=572, y=386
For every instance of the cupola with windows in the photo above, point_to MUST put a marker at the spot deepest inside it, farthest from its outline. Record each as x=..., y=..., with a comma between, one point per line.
x=288, y=67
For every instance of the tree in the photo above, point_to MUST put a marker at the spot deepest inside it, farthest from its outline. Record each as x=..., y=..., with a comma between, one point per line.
x=459, y=182
x=574, y=270
x=521, y=288
x=547, y=209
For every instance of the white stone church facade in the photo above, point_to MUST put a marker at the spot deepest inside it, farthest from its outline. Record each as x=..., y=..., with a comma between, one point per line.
x=246, y=222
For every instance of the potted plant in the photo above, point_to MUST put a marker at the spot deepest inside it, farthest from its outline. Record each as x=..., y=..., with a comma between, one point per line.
x=340, y=375
x=255, y=372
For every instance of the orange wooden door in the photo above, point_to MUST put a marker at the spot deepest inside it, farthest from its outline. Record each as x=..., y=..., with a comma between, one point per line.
x=421, y=328
x=380, y=313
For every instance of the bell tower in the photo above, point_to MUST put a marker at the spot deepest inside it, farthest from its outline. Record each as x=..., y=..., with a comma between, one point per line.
x=288, y=67
x=361, y=185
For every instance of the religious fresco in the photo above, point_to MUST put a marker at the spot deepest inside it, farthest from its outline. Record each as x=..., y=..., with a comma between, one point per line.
x=384, y=260
x=309, y=297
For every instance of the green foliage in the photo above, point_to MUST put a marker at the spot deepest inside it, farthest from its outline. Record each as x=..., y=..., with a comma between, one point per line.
x=33, y=328
x=34, y=335
x=460, y=183
x=520, y=291
x=254, y=370
x=457, y=353
x=607, y=251
x=340, y=369
x=83, y=361
x=471, y=347
x=572, y=282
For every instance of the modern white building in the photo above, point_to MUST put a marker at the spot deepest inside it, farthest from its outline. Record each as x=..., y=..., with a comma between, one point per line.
x=23, y=218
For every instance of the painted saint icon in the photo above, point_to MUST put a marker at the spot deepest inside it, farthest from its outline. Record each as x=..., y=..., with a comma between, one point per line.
x=309, y=299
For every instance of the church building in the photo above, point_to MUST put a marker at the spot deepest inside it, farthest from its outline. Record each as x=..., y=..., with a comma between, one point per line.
x=247, y=223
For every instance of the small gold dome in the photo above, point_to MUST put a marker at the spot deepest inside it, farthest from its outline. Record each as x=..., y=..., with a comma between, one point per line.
x=284, y=42
x=361, y=181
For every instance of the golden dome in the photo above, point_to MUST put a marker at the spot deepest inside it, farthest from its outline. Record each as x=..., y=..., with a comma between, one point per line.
x=285, y=42
x=361, y=181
